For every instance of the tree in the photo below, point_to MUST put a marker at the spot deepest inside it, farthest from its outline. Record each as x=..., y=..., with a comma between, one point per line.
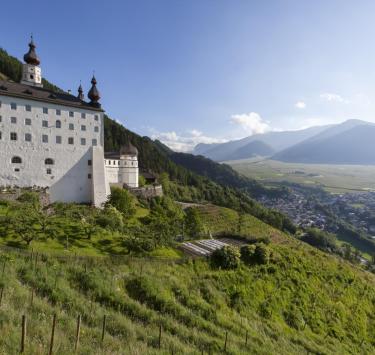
x=227, y=258
x=141, y=181
x=194, y=226
x=255, y=254
x=88, y=225
x=110, y=218
x=24, y=224
x=123, y=201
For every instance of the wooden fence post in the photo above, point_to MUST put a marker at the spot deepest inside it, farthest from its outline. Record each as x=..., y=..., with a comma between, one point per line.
x=246, y=338
x=160, y=336
x=104, y=324
x=77, y=333
x=226, y=339
x=52, y=335
x=1, y=295
x=23, y=335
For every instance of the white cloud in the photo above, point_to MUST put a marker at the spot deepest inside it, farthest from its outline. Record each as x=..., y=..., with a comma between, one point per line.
x=300, y=104
x=184, y=142
x=333, y=98
x=251, y=122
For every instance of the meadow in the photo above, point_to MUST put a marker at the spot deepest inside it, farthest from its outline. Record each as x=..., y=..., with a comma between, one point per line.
x=333, y=178
x=302, y=301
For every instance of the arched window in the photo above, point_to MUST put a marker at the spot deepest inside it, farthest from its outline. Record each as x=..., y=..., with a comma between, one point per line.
x=16, y=160
x=49, y=161
x=58, y=124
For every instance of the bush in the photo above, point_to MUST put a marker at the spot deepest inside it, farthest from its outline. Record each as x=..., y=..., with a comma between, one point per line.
x=255, y=254
x=123, y=201
x=110, y=218
x=29, y=197
x=227, y=257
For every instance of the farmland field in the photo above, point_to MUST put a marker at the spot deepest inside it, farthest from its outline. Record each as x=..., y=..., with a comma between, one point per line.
x=333, y=178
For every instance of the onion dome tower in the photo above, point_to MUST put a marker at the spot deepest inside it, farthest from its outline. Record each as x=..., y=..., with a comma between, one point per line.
x=80, y=92
x=31, y=72
x=129, y=149
x=128, y=168
x=94, y=94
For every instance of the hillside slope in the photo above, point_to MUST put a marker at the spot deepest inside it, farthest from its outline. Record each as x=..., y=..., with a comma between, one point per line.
x=303, y=301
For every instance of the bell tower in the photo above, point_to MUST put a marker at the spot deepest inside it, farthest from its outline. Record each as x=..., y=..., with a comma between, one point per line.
x=31, y=72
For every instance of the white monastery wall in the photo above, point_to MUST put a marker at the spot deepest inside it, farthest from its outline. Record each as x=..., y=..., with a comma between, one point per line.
x=124, y=170
x=70, y=176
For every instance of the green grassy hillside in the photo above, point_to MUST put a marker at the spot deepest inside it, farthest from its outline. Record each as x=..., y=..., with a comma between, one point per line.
x=302, y=302
x=225, y=221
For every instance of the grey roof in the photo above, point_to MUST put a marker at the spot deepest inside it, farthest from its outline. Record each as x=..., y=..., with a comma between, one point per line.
x=9, y=88
x=112, y=155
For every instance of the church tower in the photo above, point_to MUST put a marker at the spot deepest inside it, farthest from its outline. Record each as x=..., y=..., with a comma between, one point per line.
x=31, y=72
x=128, y=165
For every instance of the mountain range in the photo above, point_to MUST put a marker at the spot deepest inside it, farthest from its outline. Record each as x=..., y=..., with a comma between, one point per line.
x=350, y=142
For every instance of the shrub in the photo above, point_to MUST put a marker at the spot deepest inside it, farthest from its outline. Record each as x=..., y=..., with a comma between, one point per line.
x=262, y=254
x=227, y=257
x=247, y=254
x=255, y=254
x=29, y=197
x=110, y=218
x=123, y=201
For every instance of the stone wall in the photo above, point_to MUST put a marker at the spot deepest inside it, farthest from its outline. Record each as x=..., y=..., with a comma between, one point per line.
x=14, y=193
x=147, y=192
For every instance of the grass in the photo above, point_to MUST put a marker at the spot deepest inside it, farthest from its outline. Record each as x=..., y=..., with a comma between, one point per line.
x=333, y=178
x=303, y=301
x=220, y=220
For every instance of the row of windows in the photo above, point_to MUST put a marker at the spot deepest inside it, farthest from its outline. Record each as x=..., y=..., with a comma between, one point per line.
x=116, y=162
x=46, y=110
x=47, y=161
x=18, y=160
x=58, y=124
x=45, y=139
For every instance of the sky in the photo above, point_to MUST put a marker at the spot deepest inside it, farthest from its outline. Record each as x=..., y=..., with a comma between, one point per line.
x=206, y=71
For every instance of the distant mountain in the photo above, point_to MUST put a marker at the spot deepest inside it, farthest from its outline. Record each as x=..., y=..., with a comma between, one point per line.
x=352, y=142
x=276, y=141
x=252, y=149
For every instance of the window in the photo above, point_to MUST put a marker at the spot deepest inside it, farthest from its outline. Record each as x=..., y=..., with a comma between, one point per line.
x=89, y=176
x=1, y=118
x=45, y=123
x=45, y=109
x=28, y=108
x=27, y=137
x=96, y=129
x=109, y=162
x=83, y=127
x=44, y=138
x=13, y=106
x=83, y=141
x=89, y=162
x=13, y=119
x=58, y=140
x=71, y=114
x=49, y=171
x=49, y=161
x=94, y=142
x=70, y=140
x=16, y=160
x=58, y=124
x=16, y=170
x=96, y=117
x=71, y=126
x=58, y=112
x=83, y=115
x=28, y=121
x=13, y=136
x=1, y=135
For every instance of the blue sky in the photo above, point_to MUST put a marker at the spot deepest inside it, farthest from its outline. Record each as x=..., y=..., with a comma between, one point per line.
x=207, y=70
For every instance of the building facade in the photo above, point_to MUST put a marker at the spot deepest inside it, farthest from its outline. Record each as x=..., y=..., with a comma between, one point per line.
x=50, y=139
